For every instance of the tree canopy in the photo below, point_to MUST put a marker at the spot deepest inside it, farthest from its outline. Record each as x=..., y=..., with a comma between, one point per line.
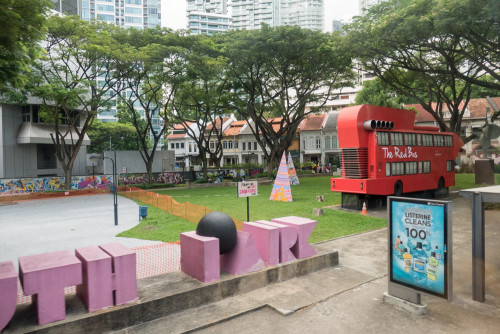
x=124, y=137
x=74, y=80
x=204, y=98
x=276, y=73
x=151, y=73
x=414, y=47
x=21, y=27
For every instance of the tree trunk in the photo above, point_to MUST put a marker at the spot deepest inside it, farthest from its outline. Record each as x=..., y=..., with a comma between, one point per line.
x=270, y=168
x=205, y=167
x=149, y=169
x=67, y=178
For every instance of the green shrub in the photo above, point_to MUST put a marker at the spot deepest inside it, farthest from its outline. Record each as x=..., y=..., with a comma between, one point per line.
x=146, y=186
x=259, y=175
x=497, y=169
x=307, y=165
x=466, y=168
x=202, y=180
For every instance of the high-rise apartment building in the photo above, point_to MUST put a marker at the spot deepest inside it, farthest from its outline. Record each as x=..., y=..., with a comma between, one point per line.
x=208, y=16
x=302, y=13
x=125, y=13
x=137, y=14
x=365, y=4
x=338, y=24
x=249, y=14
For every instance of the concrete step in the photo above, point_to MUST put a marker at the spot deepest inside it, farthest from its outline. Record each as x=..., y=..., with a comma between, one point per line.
x=164, y=295
x=285, y=298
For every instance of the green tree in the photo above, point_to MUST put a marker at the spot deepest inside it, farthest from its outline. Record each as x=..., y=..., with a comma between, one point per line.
x=276, y=73
x=74, y=81
x=404, y=44
x=101, y=132
x=21, y=27
x=476, y=23
x=203, y=99
x=152, y=72
x=377, y=93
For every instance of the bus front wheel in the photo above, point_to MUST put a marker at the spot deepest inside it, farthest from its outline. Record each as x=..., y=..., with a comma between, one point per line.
x=398, y=188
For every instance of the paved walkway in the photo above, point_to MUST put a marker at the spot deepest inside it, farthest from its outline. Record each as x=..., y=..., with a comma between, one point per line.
x=351, y=301
x=39, y=226
x=348, y=298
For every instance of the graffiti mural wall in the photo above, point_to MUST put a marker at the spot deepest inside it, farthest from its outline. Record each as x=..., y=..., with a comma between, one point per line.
x=9, y=187
x=22, y=186
x=171, y=178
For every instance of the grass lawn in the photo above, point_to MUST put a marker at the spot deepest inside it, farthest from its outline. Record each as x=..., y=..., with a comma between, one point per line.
x=158, y=225
x=333, y=224
x=466, y=181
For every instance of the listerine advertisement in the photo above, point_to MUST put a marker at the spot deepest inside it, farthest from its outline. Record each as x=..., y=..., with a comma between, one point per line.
x=418, y=245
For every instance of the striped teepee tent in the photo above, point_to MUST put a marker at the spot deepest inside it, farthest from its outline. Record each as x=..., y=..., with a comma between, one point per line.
x=294, y=180
x=281, y=189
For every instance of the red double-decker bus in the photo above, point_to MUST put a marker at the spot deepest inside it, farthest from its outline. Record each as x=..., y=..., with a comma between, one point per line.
x=385, y=153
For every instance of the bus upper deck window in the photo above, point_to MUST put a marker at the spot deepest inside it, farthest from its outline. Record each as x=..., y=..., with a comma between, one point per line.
x=397, y=139
x=419, y=139
x=383, y=138
x=410, y=139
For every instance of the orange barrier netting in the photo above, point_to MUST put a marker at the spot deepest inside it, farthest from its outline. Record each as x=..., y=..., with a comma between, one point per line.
x=187, y=211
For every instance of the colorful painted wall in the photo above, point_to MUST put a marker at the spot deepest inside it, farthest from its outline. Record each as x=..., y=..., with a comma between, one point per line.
x=9, y=187
x=22, y=186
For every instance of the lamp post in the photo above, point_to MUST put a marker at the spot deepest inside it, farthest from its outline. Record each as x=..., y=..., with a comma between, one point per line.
x=115, y=181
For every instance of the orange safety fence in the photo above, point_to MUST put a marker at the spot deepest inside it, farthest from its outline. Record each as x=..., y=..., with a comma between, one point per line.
x=187, y=211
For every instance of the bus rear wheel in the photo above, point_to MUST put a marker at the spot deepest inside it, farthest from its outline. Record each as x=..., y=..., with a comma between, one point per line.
x=441, y=190
x=440, y=184
x=398, y=188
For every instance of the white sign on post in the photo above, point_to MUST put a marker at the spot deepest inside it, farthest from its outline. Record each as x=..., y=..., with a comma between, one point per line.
x=247, y=189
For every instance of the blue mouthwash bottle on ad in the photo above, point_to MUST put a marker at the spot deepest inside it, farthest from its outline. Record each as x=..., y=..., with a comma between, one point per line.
x=419, y=259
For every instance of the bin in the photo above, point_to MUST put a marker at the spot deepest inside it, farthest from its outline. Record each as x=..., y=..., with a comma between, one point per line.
x=143, y=212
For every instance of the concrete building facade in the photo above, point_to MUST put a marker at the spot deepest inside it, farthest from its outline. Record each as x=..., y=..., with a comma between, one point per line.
x=250, y=14
x=208, y=16
x=26, y=147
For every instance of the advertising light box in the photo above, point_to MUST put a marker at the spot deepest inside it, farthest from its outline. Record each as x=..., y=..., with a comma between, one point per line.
x=419, y=255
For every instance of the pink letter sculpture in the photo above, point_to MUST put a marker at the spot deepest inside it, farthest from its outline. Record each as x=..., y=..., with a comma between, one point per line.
x=96, y=291
x=46, y=275
x=304, y=228
x=288, y=238
x=243, y=258
x=267, y=240
x=200, y=256
x=124, y=279
x=8, y=292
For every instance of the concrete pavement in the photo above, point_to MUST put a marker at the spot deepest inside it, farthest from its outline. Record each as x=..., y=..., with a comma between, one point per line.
x=348, y=298
x=64, y=223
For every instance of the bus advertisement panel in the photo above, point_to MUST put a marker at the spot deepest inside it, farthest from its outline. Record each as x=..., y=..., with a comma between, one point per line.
x=419, y=257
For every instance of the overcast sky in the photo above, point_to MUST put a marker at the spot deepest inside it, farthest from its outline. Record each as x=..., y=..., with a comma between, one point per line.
x=174, y=12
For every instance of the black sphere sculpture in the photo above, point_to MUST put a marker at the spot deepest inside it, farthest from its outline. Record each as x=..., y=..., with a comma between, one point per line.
x=221, y=226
